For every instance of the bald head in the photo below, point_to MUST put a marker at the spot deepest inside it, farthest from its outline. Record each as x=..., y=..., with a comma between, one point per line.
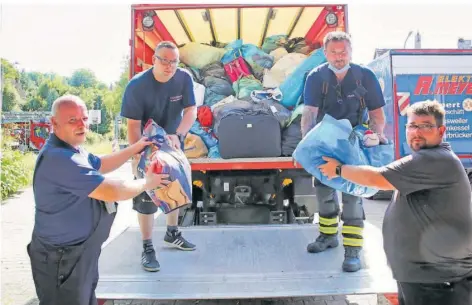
x=70, y=119
x=66, y=99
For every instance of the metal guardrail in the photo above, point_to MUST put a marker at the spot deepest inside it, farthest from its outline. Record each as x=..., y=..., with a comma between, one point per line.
x=21, y=117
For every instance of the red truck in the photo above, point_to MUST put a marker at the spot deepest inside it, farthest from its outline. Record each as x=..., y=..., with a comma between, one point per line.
x=29, y=129
x=247, y=248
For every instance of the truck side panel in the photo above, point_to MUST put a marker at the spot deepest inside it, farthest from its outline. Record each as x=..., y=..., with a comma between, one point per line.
x=443, y=77
x=381, y=67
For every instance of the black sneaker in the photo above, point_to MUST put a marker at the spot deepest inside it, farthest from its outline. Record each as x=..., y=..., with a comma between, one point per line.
x=176, y=240
x=149, y=260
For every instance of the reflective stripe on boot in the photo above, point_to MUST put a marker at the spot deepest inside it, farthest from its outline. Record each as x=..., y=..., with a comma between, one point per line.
x=352, y=236
x=328, y=225
x=352, y=241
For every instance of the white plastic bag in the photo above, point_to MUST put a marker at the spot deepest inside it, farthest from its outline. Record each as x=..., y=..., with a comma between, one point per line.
x=283, y=68
x=199, y=91
x=278, y=54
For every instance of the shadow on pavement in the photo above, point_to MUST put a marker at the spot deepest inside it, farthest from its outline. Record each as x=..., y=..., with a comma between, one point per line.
x=32, y=302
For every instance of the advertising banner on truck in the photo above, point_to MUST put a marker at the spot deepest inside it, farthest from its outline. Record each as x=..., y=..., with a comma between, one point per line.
x=454, y=91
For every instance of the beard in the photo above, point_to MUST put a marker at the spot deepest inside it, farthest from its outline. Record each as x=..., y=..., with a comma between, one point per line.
x=417, y=144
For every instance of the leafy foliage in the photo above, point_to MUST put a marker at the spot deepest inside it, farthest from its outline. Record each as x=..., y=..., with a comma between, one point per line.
x=35, y=91
x=17, y=169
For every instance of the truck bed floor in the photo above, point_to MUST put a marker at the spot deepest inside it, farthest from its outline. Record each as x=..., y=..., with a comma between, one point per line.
x=240, y=262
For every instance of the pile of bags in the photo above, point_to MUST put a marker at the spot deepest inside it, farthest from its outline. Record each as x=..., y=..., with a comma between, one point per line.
x=252, y=82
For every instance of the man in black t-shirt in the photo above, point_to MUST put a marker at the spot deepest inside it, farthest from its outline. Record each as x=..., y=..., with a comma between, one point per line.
x=427, y=228
x=165, y=94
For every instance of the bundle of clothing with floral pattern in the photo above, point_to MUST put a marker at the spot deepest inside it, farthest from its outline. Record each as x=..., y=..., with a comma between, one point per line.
x=161, y=158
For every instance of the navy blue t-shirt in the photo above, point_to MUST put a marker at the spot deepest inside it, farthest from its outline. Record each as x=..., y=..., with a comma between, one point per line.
x=340, y=101
x=146, y=98
x=65, y=215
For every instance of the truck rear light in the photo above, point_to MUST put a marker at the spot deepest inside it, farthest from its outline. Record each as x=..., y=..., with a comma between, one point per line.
x=331, y=19
x=198, y=183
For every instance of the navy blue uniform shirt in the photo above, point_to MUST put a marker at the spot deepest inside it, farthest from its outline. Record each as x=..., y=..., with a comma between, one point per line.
x=341, y=103
x=65, y=215
x=146, y=98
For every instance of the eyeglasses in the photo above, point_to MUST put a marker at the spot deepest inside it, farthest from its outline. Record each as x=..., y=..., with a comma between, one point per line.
x=420, y=127
x=166, y=61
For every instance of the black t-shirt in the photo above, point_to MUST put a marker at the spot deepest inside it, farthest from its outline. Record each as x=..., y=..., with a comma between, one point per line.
x=146, y=98
x=427, y=228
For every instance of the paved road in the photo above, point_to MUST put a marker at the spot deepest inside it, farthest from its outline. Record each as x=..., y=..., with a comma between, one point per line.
x=17, y=285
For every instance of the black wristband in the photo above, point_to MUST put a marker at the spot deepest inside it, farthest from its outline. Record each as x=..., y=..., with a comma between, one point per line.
x=339, y=170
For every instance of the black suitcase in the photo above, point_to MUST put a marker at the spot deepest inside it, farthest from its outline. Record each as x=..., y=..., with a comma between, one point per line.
x=249, y=136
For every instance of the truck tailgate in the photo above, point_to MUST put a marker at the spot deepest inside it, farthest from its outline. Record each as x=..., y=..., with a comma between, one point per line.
x=242, y=163
x=240, y=262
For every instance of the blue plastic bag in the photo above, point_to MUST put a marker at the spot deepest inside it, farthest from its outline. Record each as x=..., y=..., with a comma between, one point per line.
x=162, y=158
x=337, y=139
x=210, y=141
x=292, y=87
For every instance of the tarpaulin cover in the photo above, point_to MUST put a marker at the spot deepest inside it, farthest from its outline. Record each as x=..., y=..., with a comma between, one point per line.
x=337, y=139
x=161, y=158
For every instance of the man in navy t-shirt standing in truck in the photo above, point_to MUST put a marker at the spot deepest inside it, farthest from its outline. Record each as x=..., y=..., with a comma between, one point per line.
x=344, y=91
x=164, y=94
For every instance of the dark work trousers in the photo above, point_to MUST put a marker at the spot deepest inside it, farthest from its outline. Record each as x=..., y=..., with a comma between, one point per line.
x=352, y=215
x=69, y=275
x=458, y=293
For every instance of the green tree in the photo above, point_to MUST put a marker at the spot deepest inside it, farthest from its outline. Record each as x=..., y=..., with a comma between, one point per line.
x=43, y=90
x=11, y=98
x=52, y=96
x=8, y=71
x=36, y=77
x=35, y=104
x=83, y=78
x=59, y=84
x=113, y=100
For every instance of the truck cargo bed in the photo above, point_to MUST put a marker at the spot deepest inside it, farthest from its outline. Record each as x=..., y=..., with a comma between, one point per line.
x=240, y=262
x=204, y=164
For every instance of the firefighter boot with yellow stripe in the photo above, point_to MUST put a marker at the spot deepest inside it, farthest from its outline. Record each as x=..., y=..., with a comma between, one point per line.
x=328, y=237
x=352, y=241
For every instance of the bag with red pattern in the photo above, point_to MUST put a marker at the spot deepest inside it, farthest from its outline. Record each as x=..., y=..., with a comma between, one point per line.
x=237, y=68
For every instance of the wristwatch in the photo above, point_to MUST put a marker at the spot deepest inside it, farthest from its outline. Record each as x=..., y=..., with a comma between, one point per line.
x=338, y=170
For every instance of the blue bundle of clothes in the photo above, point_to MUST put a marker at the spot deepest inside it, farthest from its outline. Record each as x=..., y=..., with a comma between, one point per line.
x=337, y=139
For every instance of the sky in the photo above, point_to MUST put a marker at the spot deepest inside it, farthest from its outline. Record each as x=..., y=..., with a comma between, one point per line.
x=52, y=36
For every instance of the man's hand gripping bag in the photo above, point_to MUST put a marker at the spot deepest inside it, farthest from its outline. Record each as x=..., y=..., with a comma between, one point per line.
x=337, y=139
x=161, y=158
